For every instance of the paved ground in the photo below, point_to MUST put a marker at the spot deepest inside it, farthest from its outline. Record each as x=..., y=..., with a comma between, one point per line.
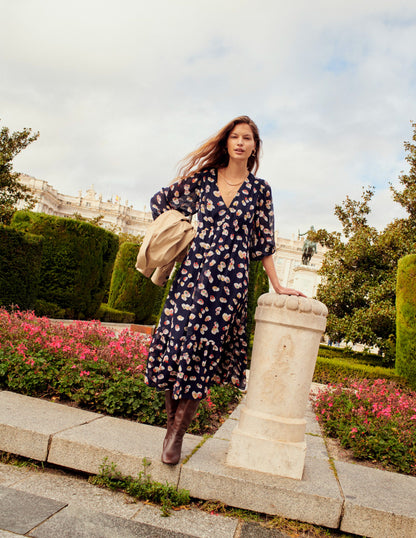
x=338, y=495
x=51, y=503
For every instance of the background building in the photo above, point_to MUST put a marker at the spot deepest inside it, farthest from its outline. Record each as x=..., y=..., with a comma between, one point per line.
x=118, y=217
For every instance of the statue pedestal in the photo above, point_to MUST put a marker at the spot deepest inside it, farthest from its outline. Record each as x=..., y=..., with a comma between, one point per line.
x=270, y=436
x=305, y=279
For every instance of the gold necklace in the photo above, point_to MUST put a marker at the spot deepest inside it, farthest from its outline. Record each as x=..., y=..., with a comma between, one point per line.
x=232, y=184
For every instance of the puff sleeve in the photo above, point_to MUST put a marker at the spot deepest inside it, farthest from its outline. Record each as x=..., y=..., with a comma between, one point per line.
x=263, y=243
x=183, y=195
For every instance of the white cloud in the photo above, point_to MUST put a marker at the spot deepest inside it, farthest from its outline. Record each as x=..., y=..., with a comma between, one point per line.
x=120, y=92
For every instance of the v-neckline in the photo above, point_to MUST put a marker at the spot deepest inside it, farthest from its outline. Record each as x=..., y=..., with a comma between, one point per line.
x=236, y=194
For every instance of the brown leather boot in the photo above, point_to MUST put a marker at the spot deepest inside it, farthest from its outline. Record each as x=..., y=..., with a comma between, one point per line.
x=184, y=414
x=171, y=406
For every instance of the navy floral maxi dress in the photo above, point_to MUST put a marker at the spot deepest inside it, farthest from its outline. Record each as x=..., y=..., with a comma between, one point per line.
x=201, y=336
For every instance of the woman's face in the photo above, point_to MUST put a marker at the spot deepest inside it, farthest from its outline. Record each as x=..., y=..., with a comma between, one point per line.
x=240, y=142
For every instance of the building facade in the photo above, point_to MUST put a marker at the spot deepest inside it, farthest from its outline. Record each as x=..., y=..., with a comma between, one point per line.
x=117, y=217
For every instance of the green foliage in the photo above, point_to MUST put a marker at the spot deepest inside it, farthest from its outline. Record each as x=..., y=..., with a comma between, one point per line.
x=406, y=319
x=142, y=487
x=218, y=403
x=20, y=262
x=77, y=261
x=258, y=284
x=359, y=278
x=407, y=197
x=130, y=290
x=363, y=357
x=131, y=398
x=359, y=272
x=111, y=315
x=11, y=190
x=376, y=419
x=87, y=364
x=337, y=370
x=50, y=310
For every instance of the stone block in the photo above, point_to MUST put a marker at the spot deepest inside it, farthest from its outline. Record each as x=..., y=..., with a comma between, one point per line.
x=312, y=425
x=20, y=512
x=226, y=429
x=316, y=447
x=193, y=522
x=27, y=424
x=76, y=491
x=315, y=499
x=122, y=442
x=267, y=455
x=73, y=522
x=378, y=504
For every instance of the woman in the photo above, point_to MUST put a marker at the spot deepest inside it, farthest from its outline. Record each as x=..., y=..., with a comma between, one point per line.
x=201, y=338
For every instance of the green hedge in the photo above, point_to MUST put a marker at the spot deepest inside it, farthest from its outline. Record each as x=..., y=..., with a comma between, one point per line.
x=406, y=319
x=20, y=264
x=339, y=370
x=106, y=313
x=132, y=292
x=347, y=353
x=77, y=260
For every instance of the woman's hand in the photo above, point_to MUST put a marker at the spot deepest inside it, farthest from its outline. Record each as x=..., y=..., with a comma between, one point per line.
x=270, y=269
x=289, y=291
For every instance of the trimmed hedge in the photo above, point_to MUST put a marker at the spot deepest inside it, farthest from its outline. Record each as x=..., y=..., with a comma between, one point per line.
x=77, y=261
x=106, y=313
x=363, y=357
x=20, y=264
x=339, y=370
x=406, y=319
x=132, y=292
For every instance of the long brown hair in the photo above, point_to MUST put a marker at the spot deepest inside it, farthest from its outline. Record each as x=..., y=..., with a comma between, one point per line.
x=213, y=153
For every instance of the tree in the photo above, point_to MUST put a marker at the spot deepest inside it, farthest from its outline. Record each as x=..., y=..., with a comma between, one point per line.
x=359, y=270
x=11, y=190
x=407, y=197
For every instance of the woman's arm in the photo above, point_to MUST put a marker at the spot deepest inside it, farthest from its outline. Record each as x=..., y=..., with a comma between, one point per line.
x=270, y=269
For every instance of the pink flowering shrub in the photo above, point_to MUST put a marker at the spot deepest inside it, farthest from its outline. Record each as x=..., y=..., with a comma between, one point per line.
x=376, y=419
x=89, y=364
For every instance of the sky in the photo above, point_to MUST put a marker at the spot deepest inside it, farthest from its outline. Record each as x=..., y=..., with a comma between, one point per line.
x=121, y=91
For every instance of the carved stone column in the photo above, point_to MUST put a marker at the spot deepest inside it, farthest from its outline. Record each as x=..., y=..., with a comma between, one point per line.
x=270, y=436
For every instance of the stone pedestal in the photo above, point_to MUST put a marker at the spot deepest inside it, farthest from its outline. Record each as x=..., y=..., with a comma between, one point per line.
x=305, y=279
x=270, y=436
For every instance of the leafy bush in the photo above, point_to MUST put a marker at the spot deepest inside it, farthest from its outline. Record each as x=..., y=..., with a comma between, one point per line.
x=376, y=419
x=51, y=310
x=77, y=260
x=88, y=364
x=142, y=487
x=406, y=319
x=111, y=315
x=20, y=262
x=130, y=290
